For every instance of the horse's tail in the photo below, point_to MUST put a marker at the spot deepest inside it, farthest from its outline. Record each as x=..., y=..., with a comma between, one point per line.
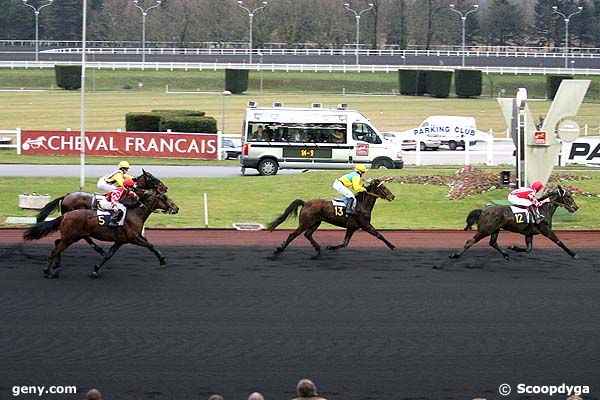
x=472, y=218
x=48, y=208
x=42, y=229
x=292, y=209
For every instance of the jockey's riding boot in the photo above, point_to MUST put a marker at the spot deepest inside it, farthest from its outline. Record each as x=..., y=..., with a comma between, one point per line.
x=538, y=218
x=114, y=220
x=350, y=206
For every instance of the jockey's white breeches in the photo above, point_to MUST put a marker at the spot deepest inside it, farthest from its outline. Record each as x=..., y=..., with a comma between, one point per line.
x=517, y=201
x=339, y=187
x=107, y=205
x=102, y=185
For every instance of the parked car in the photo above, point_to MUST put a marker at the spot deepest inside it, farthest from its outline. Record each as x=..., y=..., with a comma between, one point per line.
x=231, y=148
x=408, y=143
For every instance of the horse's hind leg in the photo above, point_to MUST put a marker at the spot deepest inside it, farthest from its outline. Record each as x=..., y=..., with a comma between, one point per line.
x=478, y=236
x=290, y=237
x=97, y=248
x=308, y=234
x=111, y=252
x=528, y=243
x=349, y=233
x=494, y=244
x=59, y=246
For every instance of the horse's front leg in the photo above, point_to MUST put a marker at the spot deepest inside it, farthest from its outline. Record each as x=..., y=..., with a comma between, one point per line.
x=142, y=241
x=371, y=229
x=528, y=243
x=349, y=233
x=546, y=231
x=111, y=252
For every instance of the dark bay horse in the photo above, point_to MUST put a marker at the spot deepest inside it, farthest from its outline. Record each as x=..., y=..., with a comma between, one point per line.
x=79, y=224
x=82, y=200
x=316, y=211
x=493, y=218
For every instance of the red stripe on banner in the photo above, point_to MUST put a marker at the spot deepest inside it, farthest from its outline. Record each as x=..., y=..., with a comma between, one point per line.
x=147, y=144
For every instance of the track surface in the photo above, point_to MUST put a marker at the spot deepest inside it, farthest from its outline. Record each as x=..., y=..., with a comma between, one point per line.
x=362, y=323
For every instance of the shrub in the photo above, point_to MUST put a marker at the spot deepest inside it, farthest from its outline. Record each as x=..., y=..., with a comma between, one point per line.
x=187, y=113
x=68, y=76
x=553, y=83
x=142, y=122
x=236, y=80
x=467, y=83
x=421, y=82
x=408, y=81
x=189, y=124
x=438, y=83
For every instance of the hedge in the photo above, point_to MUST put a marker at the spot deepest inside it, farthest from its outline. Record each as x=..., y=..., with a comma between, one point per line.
x=142, y=122
x=68, y=76
x=553, y=83
x=438, y=83
x=187, y=113
x=467, y=83
x=189, y=124
x=421, y=82
x=408, y=81
x=236, y=80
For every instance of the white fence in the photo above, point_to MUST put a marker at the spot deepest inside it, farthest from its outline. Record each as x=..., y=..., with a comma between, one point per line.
x=199, y=66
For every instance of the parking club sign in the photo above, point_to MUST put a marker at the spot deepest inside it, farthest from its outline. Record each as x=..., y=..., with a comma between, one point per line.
x=148, y=144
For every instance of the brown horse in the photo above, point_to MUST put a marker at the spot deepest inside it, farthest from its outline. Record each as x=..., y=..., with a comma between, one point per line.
x=493, y=218
x=79, y=224
x=314, y=212
x=83, y=201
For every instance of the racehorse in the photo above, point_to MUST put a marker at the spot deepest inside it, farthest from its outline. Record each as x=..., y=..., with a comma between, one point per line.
x=314, y=212
x=79, y=224
x=493, y=218
x=82, y=200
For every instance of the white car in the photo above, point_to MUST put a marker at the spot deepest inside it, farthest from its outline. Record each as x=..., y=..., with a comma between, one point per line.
x=407, y=143
x=231, y=148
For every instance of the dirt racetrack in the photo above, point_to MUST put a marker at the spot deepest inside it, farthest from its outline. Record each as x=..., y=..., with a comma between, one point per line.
x=363, y=323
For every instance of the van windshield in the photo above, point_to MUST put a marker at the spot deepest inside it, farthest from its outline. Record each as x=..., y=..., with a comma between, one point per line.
x=365, y=133
x=294, y=132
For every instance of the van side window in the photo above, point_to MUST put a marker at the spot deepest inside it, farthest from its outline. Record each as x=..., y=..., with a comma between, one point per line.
x=365, y=133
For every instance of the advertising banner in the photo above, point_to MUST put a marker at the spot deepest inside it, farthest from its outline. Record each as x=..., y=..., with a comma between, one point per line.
x=146, y=144
x=584, y=150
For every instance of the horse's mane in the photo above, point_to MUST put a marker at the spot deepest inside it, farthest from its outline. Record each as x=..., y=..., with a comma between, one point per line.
x=555, y=191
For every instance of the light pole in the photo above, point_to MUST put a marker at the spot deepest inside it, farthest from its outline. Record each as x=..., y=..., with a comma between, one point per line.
x=220, y=137
x=566, y=19
x=357, y=15
x=144, y=13
x=36, y=11
x=251, y=17
x=463, y=18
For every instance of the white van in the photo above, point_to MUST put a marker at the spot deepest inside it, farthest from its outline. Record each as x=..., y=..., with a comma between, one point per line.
x=449, y=130
x=312, y=138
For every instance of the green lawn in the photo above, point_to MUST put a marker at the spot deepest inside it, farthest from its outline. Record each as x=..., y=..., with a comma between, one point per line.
x=261, y=199
x=59, y=110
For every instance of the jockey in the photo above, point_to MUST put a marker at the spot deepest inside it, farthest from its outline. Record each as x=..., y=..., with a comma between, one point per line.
x=116, y=196
x=114, y=179
x=351, y=180
x=526, y=198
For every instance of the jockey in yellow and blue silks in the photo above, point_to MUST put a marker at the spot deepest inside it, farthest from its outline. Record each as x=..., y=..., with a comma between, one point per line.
x=353, y=181
x=114, y=179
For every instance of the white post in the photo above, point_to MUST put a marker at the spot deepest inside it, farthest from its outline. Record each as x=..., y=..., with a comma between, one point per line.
x=19, y=141
x=467, y=151
x=490, y=149
x=417, y=150
x=585, y=130
x=82, y=100
x=205, y=210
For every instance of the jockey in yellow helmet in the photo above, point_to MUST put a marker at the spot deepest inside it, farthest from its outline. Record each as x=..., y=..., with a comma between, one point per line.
x=351, y=181
x=114, y=179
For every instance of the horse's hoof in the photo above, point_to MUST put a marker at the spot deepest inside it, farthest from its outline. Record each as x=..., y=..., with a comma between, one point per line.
x=316, y=256
x=95, y=275
x=511, y=247
x=506, y=257
x=454, y=255
x=392, y=248
x=575, y=257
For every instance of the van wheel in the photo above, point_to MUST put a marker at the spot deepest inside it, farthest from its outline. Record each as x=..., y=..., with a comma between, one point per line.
x=452, y=145
x=382, y=164
x=268, y=166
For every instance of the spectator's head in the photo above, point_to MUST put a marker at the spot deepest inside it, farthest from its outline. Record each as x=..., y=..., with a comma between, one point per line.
x=93, y=394
x=256, y=396
x=574, y=398
x=215, y=397
x=306, y=388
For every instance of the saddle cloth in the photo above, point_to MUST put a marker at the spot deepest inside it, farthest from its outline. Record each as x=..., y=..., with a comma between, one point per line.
x=104, y=212
x=522, y=216
x=339, y=202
